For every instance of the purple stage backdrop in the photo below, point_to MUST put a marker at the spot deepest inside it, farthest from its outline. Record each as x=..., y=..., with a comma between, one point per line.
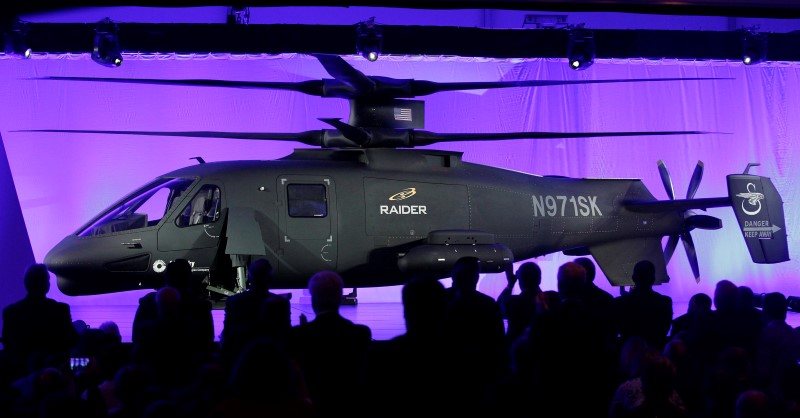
x=62, y=180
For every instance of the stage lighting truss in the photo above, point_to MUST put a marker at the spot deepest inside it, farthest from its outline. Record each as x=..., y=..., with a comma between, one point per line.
x=369, y=39
x=16, y=42
x=106, y=44
x=580, y=47
x=754, y=47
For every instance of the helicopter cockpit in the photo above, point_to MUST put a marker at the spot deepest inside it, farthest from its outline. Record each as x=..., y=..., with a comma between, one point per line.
x=143, y=208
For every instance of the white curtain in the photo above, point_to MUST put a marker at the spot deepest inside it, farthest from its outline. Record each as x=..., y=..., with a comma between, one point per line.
x=62, y=180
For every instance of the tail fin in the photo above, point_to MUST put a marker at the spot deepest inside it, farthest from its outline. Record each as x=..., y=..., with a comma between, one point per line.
x=759, y=211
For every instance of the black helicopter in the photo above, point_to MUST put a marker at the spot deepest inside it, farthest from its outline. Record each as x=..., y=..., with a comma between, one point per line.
x=370, y=206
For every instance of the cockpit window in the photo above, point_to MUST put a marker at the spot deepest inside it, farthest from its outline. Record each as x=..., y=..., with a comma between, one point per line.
x=142, y=209
x=307, y=200
x=202, y=209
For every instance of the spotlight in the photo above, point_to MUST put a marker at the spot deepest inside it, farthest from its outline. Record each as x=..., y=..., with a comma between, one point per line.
x=106, y=44
x=369, y=40
x=580, y=49
x=16, y=43
x=239, y=15
x=754, y=47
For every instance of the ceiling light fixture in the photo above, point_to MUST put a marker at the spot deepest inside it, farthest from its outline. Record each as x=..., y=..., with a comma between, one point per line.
x=106, y=44
x=369, y=39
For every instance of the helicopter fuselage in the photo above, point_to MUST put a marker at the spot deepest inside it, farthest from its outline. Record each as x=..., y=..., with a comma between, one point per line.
x=357, y=211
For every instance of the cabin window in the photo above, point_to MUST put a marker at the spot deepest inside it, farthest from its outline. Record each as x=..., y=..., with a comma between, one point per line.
x=307, y=200
x=143, y=208
x=203, y=208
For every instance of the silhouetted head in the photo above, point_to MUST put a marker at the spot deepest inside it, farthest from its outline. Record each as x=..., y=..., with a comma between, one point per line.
x=179, y=273
x=466, y=273
x=326, y=291
x=587, y=264
x=529, y=275
x=571, y=279
x=726, y=296
x=752, y=403
x=37, y=280
x=644, y=274
x=746, y=297
x=259, y=274
x=424, y=302
x=168, y=301
x=775, y=306
x=699, y=303
x=658, y=378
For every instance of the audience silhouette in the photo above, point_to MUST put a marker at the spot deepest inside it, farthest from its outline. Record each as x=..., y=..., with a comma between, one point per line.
x=242, y=311
x=330, y=349
x=518, y=310
x=476, y=331
x=37, y=330
x=565, y=358
x=408, y=371
x=642, y=311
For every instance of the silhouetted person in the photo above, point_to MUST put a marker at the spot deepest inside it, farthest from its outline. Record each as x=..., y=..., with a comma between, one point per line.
x=179, y=276
x=731, y=326
x=643, y=311
x=651, y=394
x=519, y=309
x=600, y=304
x=572, y=343
x=410, y=372
x=732, y=374
x=241, y=322
x=778, y=347
x=754, y=403
x=475, y=327
x=37, y=330
x=331, y=350
x=173, y=345
x=266, y=382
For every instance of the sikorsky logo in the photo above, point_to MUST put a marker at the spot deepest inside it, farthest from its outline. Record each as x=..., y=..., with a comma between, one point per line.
x=405, y=194
x=753, y=199
x=403, y=209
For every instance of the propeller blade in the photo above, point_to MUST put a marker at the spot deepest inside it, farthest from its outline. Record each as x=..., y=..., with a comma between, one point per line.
x=694, y=183
x=666, y=179
x=310, y=87
x=703, y=222
x=344, y=72
x=669, y=249
x=688, y=245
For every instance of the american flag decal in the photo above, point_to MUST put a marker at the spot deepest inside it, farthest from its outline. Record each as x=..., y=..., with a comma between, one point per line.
x=402, y=113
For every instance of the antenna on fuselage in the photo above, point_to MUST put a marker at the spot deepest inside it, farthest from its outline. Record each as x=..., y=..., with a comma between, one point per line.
x=199, y=159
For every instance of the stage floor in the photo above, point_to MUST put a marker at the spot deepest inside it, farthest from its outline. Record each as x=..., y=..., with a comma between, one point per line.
x=385, y=319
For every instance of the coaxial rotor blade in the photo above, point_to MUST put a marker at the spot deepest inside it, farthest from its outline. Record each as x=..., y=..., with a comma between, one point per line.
x=666, y=179
x=426, y=138
x=322, y=137
x=694, y=182
x=346, y=73
x=357, y=135
x=378, y=137
x=310, y=87
x=423, y=87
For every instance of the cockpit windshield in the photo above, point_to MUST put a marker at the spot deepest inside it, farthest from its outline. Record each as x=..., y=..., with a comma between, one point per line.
x=142, y=209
